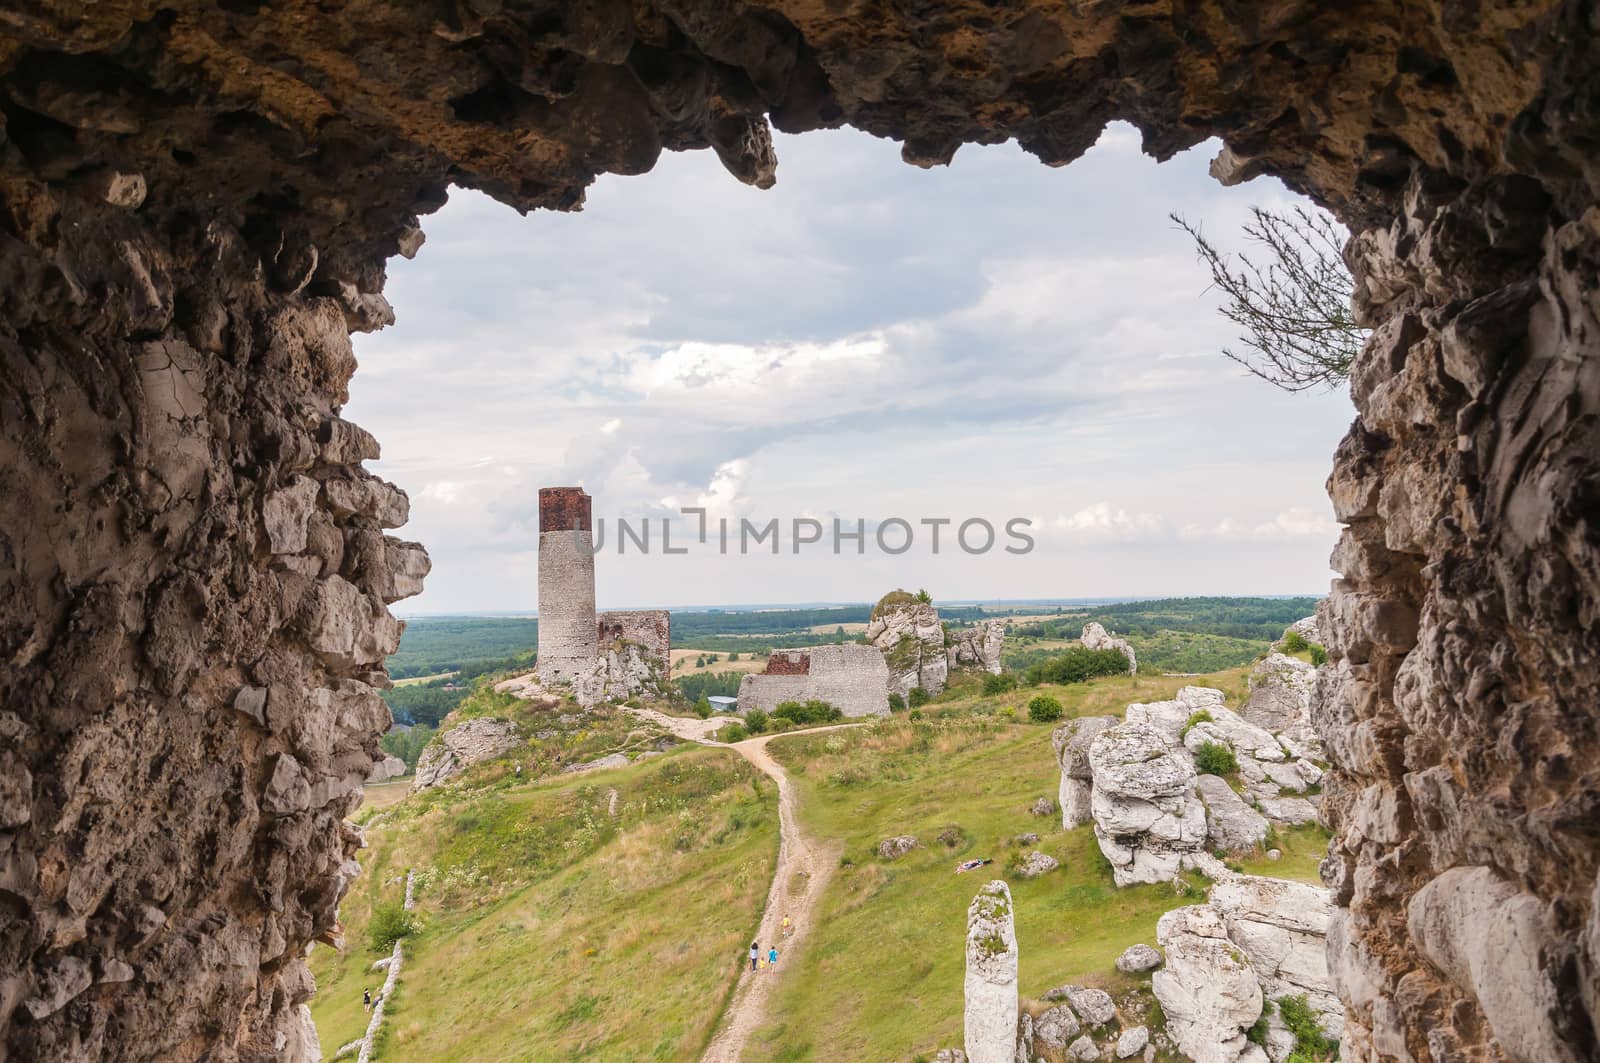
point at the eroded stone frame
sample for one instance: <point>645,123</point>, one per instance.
<point>196,204</point>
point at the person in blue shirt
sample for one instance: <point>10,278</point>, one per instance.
<point>772,956</point>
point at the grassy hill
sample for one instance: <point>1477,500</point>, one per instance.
<point>556,926</point>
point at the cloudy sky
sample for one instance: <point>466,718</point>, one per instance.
<point>993,340</point>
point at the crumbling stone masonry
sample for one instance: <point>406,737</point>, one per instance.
<point>852,678</point>
<point>568,636</point>
<point>196,204</point>
<point>649,628</point>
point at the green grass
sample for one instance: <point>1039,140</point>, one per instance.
<point>553,930</point>
<point>1303,848</point>
<point>881,976</point>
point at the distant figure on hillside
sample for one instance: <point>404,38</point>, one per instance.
<point>366,999</point>
<point>786,926</point>
<point>772,956</point>
<point>755,954</point>
<point>519,771</point>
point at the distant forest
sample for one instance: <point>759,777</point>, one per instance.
<point>1238,618</point>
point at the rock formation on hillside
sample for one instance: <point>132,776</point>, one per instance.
<point>1096,637</point>
<point>918,649</point>
<point>1306,628</point>
<point>1071,741</point>
<point>200,200</point>
<point>467,743</point>
<point>990,1020</point>
<point>1254,940</point>
<point>388,768</point>
<point>1147,817</point>
<point>1280,702</point>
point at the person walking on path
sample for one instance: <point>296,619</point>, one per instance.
<point>786,926</point>
<point>366,999</point>
<point>772,956</point>
<point>755,954</point>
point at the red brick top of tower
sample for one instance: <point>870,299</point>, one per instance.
<point>562,507</point>
<point>789,662</point>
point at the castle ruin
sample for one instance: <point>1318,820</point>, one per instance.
<point>601,656</point>
<point>853,679</point>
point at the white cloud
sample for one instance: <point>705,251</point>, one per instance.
<point>1102,521</point>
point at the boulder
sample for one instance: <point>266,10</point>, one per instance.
<point>990,1016</point>
<point>1083,1049</point>
<point>390,767</point>
<point>1207,988</point>
<point>1096,637</point>
<point>1231,825</point>
<point>909,635</point>
<point>469,742</point>
<point>1282,928</point>
<point>1071,741</point>
<point>1132,1042</point>
<point>1094,1006</point>
<point>1233,731</point>
<point>1280,700</point>
<point>1036,864</point>
<point>950,1055</point>
<point>1288,810</point>
<point>611,760</point>
<point>1057,1027</point>
<point>1044,806</point>
<point>1306,628</point>
<point>1147,816</point>
<point>896,847</point>
<point>978,647</point>
<point>1138,958</point>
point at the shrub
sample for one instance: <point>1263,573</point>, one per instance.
<point>1258,1032</point>
<point>755,721</point>
<point>809,712</point>
<point>917,698</point>
<point>702,709</point>
<point>1214,758</point>
<point>999,684</point>
<point>1319,654</point>
<point>914,715</point>
<point>1294,642</point>
<point>896,702</point>
<point>1044,709</point>
<point>390,923</point>
<point>1311,1045</point>
<point>733,732</point>
<point>1198,716</point>
<point>1077,664</point>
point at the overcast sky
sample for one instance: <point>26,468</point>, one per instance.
<point>866,341</point>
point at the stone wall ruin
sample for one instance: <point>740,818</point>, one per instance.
<point>852,678</point>
<point>196,203</point>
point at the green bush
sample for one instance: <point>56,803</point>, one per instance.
<point>914,715</point>
<point>702,709</point>
<point>1311,1045</point>
<point>807,713</point>
<point>1198,716</point>
<point>1077,664</point>
<point>1294,642</point>
<point>755,721</point>
<point>733,732</point>
<point>1258,1032</point>
<point>1044,709</point>
<point>1319,654</point>
<point>917,698</point>
<point>1214,758</point>
<point>896,702</point>
<point>390,923</point>
<point>1003,683</point>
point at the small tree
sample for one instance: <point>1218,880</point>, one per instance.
<point>390,923</point>
<point>924,597</point>
<point>1294,642</point>
<point>896,702</point>
<point>917,698</point>
<point>1214,758</point>
<point>702,709</point>
<point>1293,304</point>
<point>755,721</point>
<point>1044,709</point>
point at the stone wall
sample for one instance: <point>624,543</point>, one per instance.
<point>196,203</point>
<point>852,678</point>
<point>650,628</point>
<point>568,636</point>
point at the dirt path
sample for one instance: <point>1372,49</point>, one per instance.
<point>798,881</point>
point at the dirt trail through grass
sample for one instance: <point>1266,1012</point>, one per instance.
<point>798,881</point>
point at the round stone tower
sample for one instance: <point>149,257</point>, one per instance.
<point>567,638</point>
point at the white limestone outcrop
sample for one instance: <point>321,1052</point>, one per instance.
<point>1096,637</point>
<point>469,742</point>
<point>1071,741</point>
<point>1147,816</point>
<point>990,1018</point>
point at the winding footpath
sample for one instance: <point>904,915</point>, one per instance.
<point>798,882</point>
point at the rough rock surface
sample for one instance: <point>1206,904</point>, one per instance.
<point>1306,627</point>
<point>1147,817</point>
<point>1138,958</point>
<point>454,751</point>
<point>990,1018</point>
<point>1055,1028</point>
<point>1132,1042</point>
<point>1072,740</point>
<point>978,647</point>
<point>619,671</point>
<point>1096,637</point>
<point>1231,825</point>
<point>1282,928</point>
<point>1083,1050</point>
<point>1094,1006</point>
<point>1280,701</point>
<point>1036,864</point>
<point>388,768</point>
<point>1207,989</point>
<point>896,847</point>
<point>911,638</point>
<point>198,201</point>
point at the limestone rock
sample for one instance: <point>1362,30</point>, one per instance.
<point>1207,989</point>
<point>1282,927</point>
<point>1306,628</point>
<point>1042,806</point>
<point>1071,741</point>
<point>1147,816</point>
<point>1132,1042</point>
<point>1231,825</point>
<point>390,767</point>
<point>1280,700</point>
<point>1096,637</point>
<point>1083,1049</point>
<point>455,750</point>
<point>610,760</point>
<point>950,1055</point>
<point>990,1018</point>
<point>978,647</point>
<point>1288,810</point>
<point>1056,1027</point>
<point>1138,958</point>
<point>896,847</point>
<point>286,513</point>
<point>1036,864</point>
<point>909,635</point>
<point>622,671</point>
<point>1094,1006</point>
